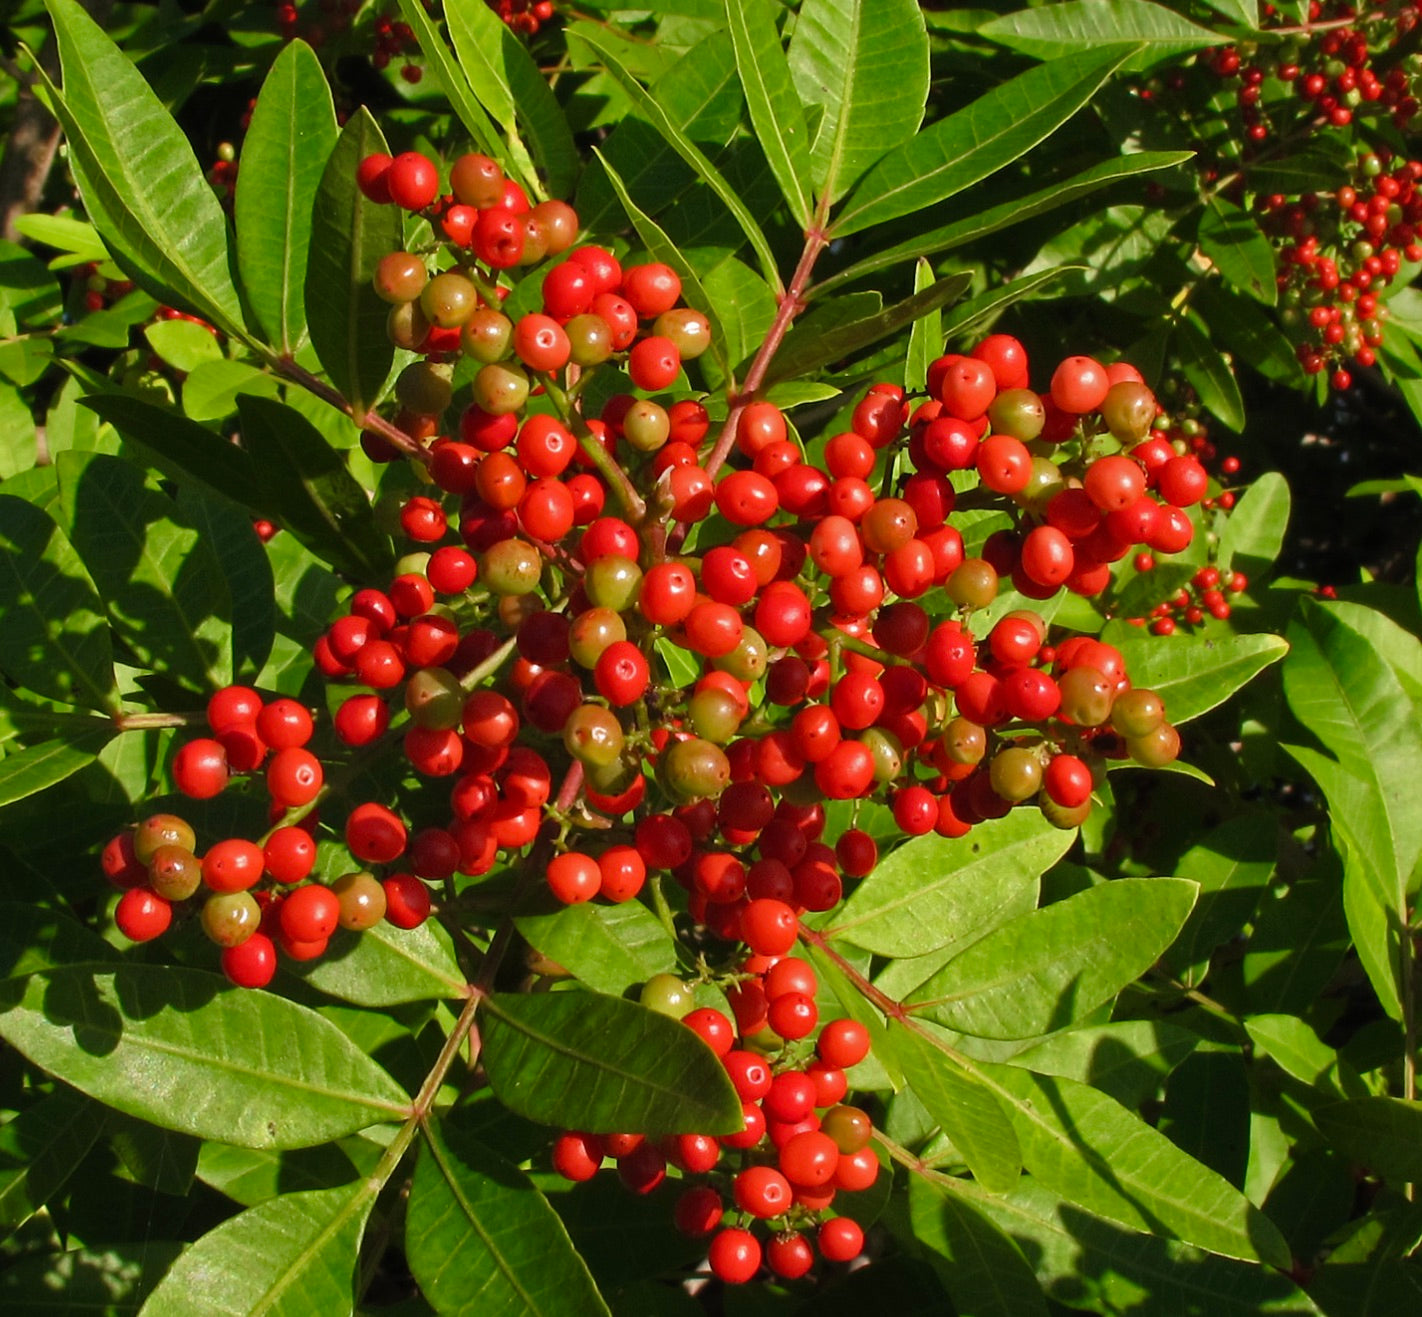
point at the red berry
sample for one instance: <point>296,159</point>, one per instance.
<point>412,180</point>
<point>734,1256</point>
<point>200,769</point>
<point>142,915</point>
<point>250,964</point>
<point>840,1239</point>
<point>407,900</point>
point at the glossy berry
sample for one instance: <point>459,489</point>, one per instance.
<point>141,914</point>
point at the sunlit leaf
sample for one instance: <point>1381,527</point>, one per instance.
<point>182,1049</point>
<point>1042,970</point>
<point>141,182</point>
<point>838,57</point>
<point>579,1060</point>
<point>292,132</point>
<point>955,152</point>
<point>932,892</point>
<point>349,235</point>
<point>481,1239</point>
<point>290,1257</point>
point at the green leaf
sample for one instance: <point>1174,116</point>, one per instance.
<point>1232,239</point>
<point>22,362</point>
<point>1211,376</point>
<point>252,1175</point>
<point>839,58</point>
<point>511,87</point>
<point>34,769</point>
<point>952,154</point>
<point>745,308</point>
<point>290,1257</point>
<point>1243,12</point>
<point>1299,937</point>
<point>933,892</point>
<point>142,184</point>
<point>182,344</point>
<point>28,291</point>
<point>40,1149</point>
<point>349,235</point>
<point>228,531</point>
<point>454,83</point>
<point>966,1110</point>
<point>385,965</point>
<point>159,1159</point>
<point>948,236</point>
<point>1086,1263</point>
<point>55,641</point>
<point>181,448</point>
<point>1062,29</point>
<point>33,938</point>
<point>182,1049</point>
<point>1231,865</point>
<point>1254,534</point>
<point>610,948</point>
<point>1086,1147</point>
<point>853,1004</point>
<point>1206,1111</point>
<point>1383,1133</point>
<point>211,391</point>
<point>310,489</point>
<point>1042,970</point>
<point>292,132</point>
<point>1242,326</point>
<point>661,248</point>
<point>926,337</point>
<point>579,1060</point>
<point>480,1239</point>
<point>808,348</point>
<point>1128,1059</point>
<point>774,104</point>
<point>1352,701</point>
<point>978,1263</point>
<point>652,111</point>
<point>1299,1052</point>
<point>161,582</point>
<point>978,313</point>
<point>1324,164</point>
<point>65,233</point>
<point>1193,679</point>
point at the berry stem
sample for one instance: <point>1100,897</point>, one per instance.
<point>608,467</point>
<point>792,302</point>
<point>834,637</point>
<point>138,722</point>
<point>875,996</point>
<point>284,365</point>
<point>477,676</point>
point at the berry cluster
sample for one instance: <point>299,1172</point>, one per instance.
<point>330,19</point>
<point>1338,251</point>
<point>254,895</point>
<point>1348,73</point>
<point>1206,594</point>
<point>593,601</point>
<point>1331,65</point>
<point>523,16</point>
<point>96,290</point>
<point>801,1146</point>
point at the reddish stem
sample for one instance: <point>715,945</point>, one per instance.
<point>370,421</point>
<point>792,302</point>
